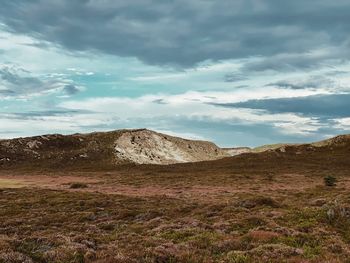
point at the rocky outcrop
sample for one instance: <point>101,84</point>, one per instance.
<point>145,146</point>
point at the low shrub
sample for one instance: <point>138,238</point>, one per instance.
<point>330,180</point>
<point>78,185</point>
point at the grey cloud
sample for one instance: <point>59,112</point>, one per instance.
<point>7,92</point>
<point>159,101</point>
<point>41,114</point>
<point>290,61</point>
<point>234,77</point>
<point>312,82</point>
<point>288,85</point>
<point>17,85</point>
<point>71,89</point>
<point>42,45</point>
<point>337,73</point>
<point>13,78</point>
<point>18,82</point>
<point>187,32</point>
<point>321,106</point>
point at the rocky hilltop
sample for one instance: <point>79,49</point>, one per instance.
<point>105,149</point>
<point>149,147</point>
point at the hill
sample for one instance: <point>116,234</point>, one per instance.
<point>108,150</point>
<point>105,149</point>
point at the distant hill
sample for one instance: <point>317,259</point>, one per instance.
<point>340,140</point>
<point>105,149</point>
<point>336,141</point>
<point>329,157</point>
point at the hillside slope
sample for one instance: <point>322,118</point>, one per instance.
<point>149,147</point>
<point>105,150</point>
<point>327,157</point>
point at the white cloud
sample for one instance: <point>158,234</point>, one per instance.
<point>343,123</point>
<point>194,106</point>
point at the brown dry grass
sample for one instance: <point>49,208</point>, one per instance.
<point>269,207</point>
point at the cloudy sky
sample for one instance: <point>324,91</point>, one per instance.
<point>243,72</point>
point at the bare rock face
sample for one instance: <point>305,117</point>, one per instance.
<point>237,151</point>
<point>149,147</point>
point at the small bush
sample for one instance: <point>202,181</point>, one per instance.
<point>258,201</point>
<point>78,185</point>
<point>330,181</point>
<point>237,257</point>
<point>270,177</point>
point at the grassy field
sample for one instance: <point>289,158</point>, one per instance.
<point>251,208</point>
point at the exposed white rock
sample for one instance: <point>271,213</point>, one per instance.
<point>84,155</point>
<point>34,144</point>
<point>237,151</point>
<point>148,147</point>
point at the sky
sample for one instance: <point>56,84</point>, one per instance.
<point>239,73</point>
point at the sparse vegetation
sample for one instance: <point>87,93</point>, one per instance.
<point>81,226</point>
<point>264,207</point>
<point>78,185</point>
<point>330,180</point>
